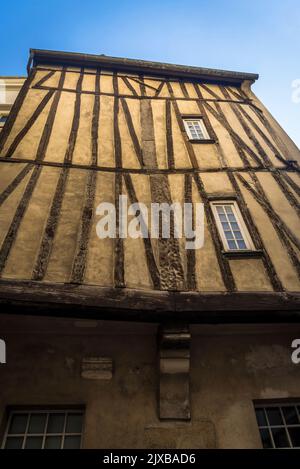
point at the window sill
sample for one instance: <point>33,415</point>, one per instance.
<point>208,140</point>
<point>247,254</point>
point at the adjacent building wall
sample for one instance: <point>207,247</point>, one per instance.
<point>230,368</point>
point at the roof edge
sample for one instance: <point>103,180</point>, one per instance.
<point>41,56</point>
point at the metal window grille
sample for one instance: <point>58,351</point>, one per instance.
<point>44,429</point>
<point>279,425</point>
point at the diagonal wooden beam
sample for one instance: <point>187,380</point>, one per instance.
<point>152,267</point>
<point>220,116</point>
<point>45,78</point>
<point>284,233</point>
<point>45,137</point>
<point>247,129</point>
<point>224,266</point>
<point>15,109</point>
<point>132,132</point>
<point>14,184</point>
<point>129,85</point>
<point>160,87</point>
<point>291,182</point>
<point>29,123</point>
<point>255,235</point>
<point>209,126</point>
<point>18,217</point>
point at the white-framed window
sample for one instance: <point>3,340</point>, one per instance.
<point>44,429</point>
<point>231,226</point>
<point>279,424</point>
<point>195,129</point>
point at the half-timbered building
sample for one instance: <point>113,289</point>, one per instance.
<point>123,342</point>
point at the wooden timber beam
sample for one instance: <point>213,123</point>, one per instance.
<point>71,300</point>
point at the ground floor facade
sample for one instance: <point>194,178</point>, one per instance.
<point>107,374</point>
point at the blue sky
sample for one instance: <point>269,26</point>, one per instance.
<point>260,36</point>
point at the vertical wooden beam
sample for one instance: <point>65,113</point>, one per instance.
<point>119,277</point>
<point>171,270</point>
<point>95,119</point>
<point>117,137</point>
<point>75,121</point>
<point>78,268</point>
<point>190,253</point>
<point>169,136</point>
<point>43,257</point>
<point>188,145</point>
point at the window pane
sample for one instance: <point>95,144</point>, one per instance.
<point>219,209</point>
<point>274,416</point>
<point>72,442</point>
<point>34,442</point>
<point>229,235</point>
<point>235,226</point>
<point>280,438</point>
<point>265,438</point>
<point>53,442</point>
<point>225,225</point>
<point>14,443</point>
<point>228,209</point>
<point>290,415</point>
<point>18,423</point>
<point>242,245</point>
<point>261,418</point>
<point>37,423</point>
<point>238,235</point>
<point>295,436</point>
<point>56,423</point>
<point>74,423</point>
<point>231,245</point>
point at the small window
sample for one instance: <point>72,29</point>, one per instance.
<point>279,425</point>
<point>44,429</point>
<point>232,229</point>
<point>196,129</point>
